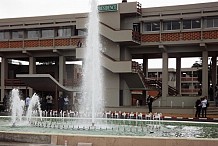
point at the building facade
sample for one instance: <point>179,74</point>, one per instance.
<point>127,32</point>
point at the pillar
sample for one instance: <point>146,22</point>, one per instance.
<point>214,73</point>
<point>32,70</point>
<point>61,69</point>
<point>164,78</point>
<point>178,75</point>
<point>4,71</point>
<point>145,71</point>
<point>205,73</point>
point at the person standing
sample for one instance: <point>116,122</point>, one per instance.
<point>149,101</point>
<point>198,106</point>
<point>27,102</point>
<point>49,102</point>
<point>204,107</point>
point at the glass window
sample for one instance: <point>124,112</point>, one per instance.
<point>175,25</point>
<point>17,34</point>
<point>147,26</point>
<point>167,25</point>
<point>209,22</point>
<point>2,36</point>
<point>33,34</point>
<point>215,22</point>
<point>82,32</point>
<point>196,23</point>
<point>48,33</point>
<point>155,26</point>
<point>64,32</point>
<point>186,24</point>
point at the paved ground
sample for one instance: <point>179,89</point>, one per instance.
<point>24,144</point>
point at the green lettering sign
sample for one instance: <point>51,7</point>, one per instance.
<point>108,8</point>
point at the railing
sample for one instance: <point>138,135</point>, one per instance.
<point>53,42</point>
<point>136,36</point>
<point>151,83</point>
<point>139,8</point>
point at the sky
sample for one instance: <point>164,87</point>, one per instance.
<point>28,8</point>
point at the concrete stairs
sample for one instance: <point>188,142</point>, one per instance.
<point>212,109</point>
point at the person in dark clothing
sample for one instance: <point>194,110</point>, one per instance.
<point>198,108</point>
<point>149,101</point>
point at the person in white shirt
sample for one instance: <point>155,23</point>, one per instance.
<point>27,102</point>
<point>204,106</point>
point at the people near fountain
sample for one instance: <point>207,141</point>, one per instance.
<point>49,102</point>
<point>204,104</point>
<point>198,107</point>
<point>149,102</point>
<point>27,102</point>
<point>66,103</point>
<point>61,103</point>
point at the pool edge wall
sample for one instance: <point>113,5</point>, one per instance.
<point>103,140</point>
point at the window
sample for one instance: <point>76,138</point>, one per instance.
<point>33,34</point>
<point>171,25</point>
<point>196,23</point>
<point>192,24</point>
<point>152,26</point>
<point>187,24</point>
<point>212,22</point>
<point>48,33</point>
<point>82,32</point>
<point>17,34</point>
<point>64,32</point>
<point>4,35</point>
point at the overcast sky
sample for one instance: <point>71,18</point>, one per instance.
<point>26,8</point>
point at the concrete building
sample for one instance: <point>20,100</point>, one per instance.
<point>127,31</point>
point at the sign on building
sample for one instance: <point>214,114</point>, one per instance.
<point>108,8</point>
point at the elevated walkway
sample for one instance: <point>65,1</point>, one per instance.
<point>43,82</point>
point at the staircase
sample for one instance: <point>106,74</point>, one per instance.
<point>212,109</point>
<point>152,84</point>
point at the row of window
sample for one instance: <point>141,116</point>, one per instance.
<point>41,33</point>
<point>181,24</point>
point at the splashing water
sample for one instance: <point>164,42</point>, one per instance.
<point>34,105</point>
<point>17,106</point>
<point>91,102</point>
<point>18,110</point>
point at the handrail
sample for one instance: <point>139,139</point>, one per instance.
<point>148,82</point>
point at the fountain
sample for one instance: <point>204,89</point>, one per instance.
<point>92,120</point>
<point>91,102</point>
<point>18,108</point>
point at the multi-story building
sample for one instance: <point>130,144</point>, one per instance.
<point>127,31</point>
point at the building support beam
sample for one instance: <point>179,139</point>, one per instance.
<point>205,73</point>
<point>214,74</point>
<point>178,75</point>
<point>145,71</point>
<point>4,69</point>
<point>32,70</point>
<point>164,79</point>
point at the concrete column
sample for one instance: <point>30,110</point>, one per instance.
<point>32,70</point>
<point>178,74</point>
<point>3,73</point>
<point>145,71</point>
<point>205,73</point>
<point>214,73</point>
<point>164,78</point>
<point>61,69</point>
<point>145,66</point>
